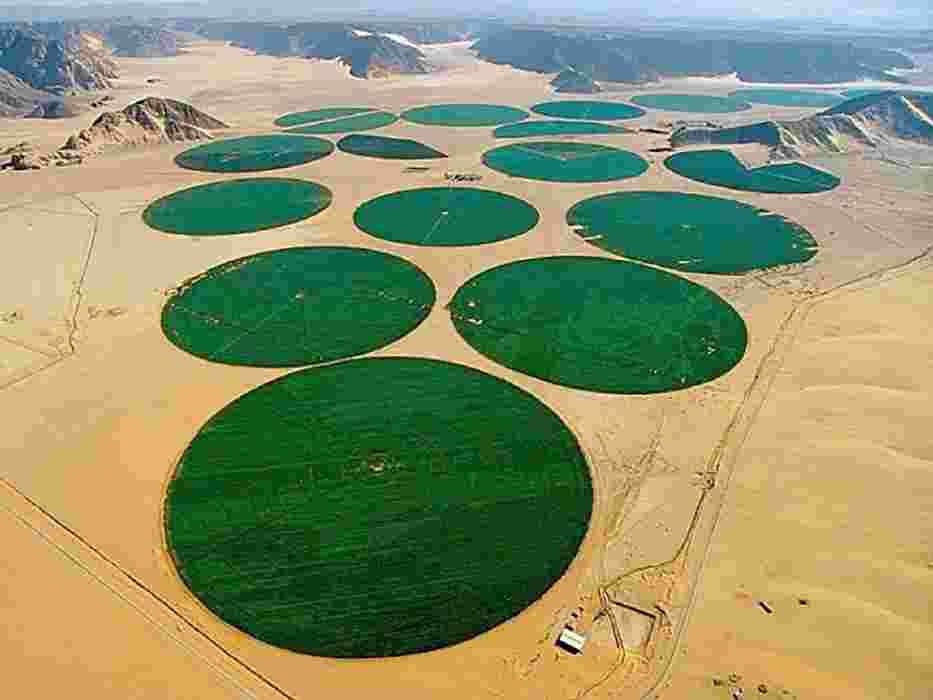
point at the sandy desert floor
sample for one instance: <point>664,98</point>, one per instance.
<point>803,474</point>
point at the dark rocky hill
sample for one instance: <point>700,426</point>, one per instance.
<point>76,61</point>
<point>643,57</point>
<point>572,81</point>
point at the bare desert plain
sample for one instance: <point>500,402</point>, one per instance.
<point>771,530</point>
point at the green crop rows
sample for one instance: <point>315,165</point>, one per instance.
<point>237,206</point>
<point>602,325</point>
<point>298,306</point>
<point>319,115</point>
<point>377,507</point>
<point>690,232</point>
<point>709,104</point>
<point>550,127</point>
<point>464,115</point>
<point>720,167</point>
<point>445,216</point>
<point>386,147</point>
<point>560,161</point>
<point>254,153</point>
<point>359,122</point>
<point>588,109</point>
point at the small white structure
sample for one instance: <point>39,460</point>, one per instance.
<point>571,641</point>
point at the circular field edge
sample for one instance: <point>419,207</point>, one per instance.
<point>518,114</point>
<point>676,169</point>
<point>345,146</point>
<point>287,120</point>
<point>741,105</point>
<point>552,108</point>
<point>327,150</point>
<point>147,212</point>
<point>607,150</point>
<point>229,263</point>
<point>169,550</point>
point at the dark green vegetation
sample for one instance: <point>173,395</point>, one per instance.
<point>359,122</point>
<point>464,115</point>
<point>237,206</point>
<point>588,109</point>
<point>632,56</point>
<point>386,147</point>
<point>377,507</point>
<point>553,127</point>
<point>558,161</point>
<point>318,115</point>
<point>254,153</point>
<point>445,216</point>
<point>709,104</point>
<point>601,325</point>
<point>298,306</point>
<point>722,168</point>
<point>787,98</point>
<point>690,232</point>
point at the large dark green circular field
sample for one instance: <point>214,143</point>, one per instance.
<point>464,115</point>
<point>237,206</point>
<point>445,216</point>
<point>720,167</point>
<point>602,325</point>
<point>690,232</point>
<point>588,109</point>
<point>387,147</point>
<point>563,161</point>
<point>298,306</point>
<point>377,507</point>
<point>254,153</point>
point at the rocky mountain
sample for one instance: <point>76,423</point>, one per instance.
<point>152,120</point>
<point>857,124</point>
<point>632,57</point>
<point>139,40</point>
<point>16,97</point>
<point>76,61</point>
<point>368,54</point>
<point>572,81</point>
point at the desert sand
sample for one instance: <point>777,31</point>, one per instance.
<point>804,473</point>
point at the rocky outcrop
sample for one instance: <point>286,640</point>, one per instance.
<point>16,97</point>
<point>572,81</point>
<point>857,124</point>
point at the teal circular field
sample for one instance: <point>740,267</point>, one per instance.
<point>550,127</point>
<point>237,206</point>
<point>298,306</point>
<point>720,167</point>
<point>560,161</point>
<point>319,115</point>
<point>601,325</point>
<point>343,125</point>
<point>588,109</point>
<point>445,216</point>
<point>787,98</point>
<point>387,147</point>
<point>377,507</point>
<point>690,232</point>
<point>464,115</point>
<point>254,153</point>
<point>709,104</point>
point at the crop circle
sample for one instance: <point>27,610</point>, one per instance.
<point>562,161</point>
<point>237,206</point>
<point>298,306</point>
<point>254,153</point>
<point>787,98</point>
<point>355,122</point>
<point>464,115</point>
<point>690,232</point>
<point>387,147</point>
<point>610,326</point>
<point>445,216</point>
<point>720,167</point>
<point>710,104</point>
<point>319,115</point>
<point>377,507</point>
<point>588,109</point>
<point>556,127</point>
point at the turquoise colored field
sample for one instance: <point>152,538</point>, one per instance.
<point>359,122</point>
<point>549,127</point>
<point>318,115</point>
<point>254,153</point>
<point>709,104</point>
<point>464,115</point>
<point>588,109</point>
<point>387,147</point>
<point>563,161</point>
<point>787,98</point>
<point>720,167</point>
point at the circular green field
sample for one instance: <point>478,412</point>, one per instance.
<point>464,115</point>
<point>254,153</point>
<point>318,115</point>
<point>386,147</point>
<point>559,161</point>
<point>720,167</point>
<point>549,127</point>
<point>359,122</point>
<point>298,306</point>
<point>690,232</point>
<point>602,325</point>
<point>709,104</point>
<point>237,206</point>
<point>787,98</point>
<point>445,216</point>
<point>377,507</point>
<point>588,109</point>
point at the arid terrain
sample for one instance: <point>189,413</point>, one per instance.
<point>774,525</point>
